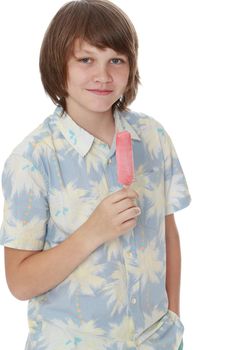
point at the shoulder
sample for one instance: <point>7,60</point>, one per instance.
<point>144,123</point>
<point>38,136</point>
<point>34,146</point>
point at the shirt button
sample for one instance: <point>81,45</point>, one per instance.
<point>129,254</point>
<point>109,161</point>
<point>133,300</point>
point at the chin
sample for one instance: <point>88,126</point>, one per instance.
<point>101,108</point>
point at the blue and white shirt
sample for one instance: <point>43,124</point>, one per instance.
<point>116,298</point>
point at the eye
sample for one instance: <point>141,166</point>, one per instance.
<point>117,60</point>
<point>84,60</point>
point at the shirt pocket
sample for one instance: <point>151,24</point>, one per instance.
<point>150,187</point>
<point>68,212</point>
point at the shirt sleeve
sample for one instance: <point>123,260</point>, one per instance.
<point>26,211</point>
<point>177,194</point>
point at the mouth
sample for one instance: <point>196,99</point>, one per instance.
<point>100,92</point>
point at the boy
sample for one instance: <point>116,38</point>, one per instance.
<point>98,273</point>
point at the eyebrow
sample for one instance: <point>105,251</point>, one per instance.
<point>93,52</point>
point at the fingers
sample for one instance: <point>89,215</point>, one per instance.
<point>129,214</point>
<point>125,204</point>
<point>125,192</point>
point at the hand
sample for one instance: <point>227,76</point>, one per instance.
<point>175,311</point>
<point>115,215</point>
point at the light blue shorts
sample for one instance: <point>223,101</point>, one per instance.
<point>181,345</point>
<point>166,333</point>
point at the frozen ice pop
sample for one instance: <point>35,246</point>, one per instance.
<point>124,158</point>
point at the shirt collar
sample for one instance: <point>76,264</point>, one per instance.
<point>80,138</point>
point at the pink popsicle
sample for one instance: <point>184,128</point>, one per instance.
<point>124,158</point>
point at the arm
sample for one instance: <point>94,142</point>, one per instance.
<point>30,273</point>
<point>173,264</point>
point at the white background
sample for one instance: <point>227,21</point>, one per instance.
<point>185,63</point>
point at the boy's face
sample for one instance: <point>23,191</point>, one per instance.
<point>96,78</point>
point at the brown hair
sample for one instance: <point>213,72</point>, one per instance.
<point>102,24</point>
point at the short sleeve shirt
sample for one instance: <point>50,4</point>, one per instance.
<point>52,182</point>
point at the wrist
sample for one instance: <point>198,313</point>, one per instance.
<point>92,235</point>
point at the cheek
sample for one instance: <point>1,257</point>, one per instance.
<point>122,78</point>
<point>126,76</point>
<point>76,78</point>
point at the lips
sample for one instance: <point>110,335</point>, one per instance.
<point>100,92</point>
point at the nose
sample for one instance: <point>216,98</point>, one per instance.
<point>102,74</point>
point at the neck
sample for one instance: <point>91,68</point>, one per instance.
<point>99,124</point>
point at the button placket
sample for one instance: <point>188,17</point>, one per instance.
<point>133,300</point>
<point>130,254</point>
<point>108,162</point>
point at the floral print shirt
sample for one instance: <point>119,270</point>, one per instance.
<point>116,298</point>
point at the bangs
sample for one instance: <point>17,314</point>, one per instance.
<point>104,28</point>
